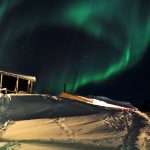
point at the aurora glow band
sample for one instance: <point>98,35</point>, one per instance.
<point>124,25</point>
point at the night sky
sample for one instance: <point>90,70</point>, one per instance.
<point>95,47</point>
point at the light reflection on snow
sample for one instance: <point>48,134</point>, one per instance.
<point>102,103</point>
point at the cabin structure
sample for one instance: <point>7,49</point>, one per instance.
<point>16,83</point>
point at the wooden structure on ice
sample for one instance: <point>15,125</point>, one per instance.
<point>16,83</point>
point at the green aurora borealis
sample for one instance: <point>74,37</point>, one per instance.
<point>121,27</point>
